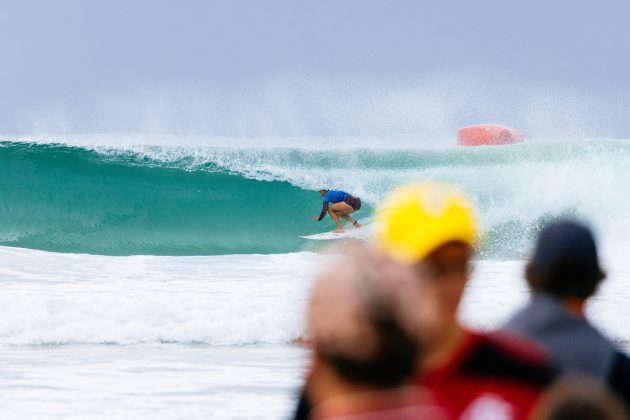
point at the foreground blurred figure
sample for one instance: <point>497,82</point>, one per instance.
<point>432,229</point>
<point>363,347</point>
<point>579,398</point>
<point>563,273</point>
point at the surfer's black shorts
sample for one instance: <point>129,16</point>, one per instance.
<point>353,202</point>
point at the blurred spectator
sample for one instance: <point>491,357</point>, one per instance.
<point>579,398</point>
<point>432,228</point>
<point>563,273</point>
<point>364,349</point>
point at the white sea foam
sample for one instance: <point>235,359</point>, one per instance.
<point>180,329</point>
<point>52,298</point>
<point>150,381</point>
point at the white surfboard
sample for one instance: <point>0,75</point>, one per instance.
<point>326,236</point>
<point>365,232</point>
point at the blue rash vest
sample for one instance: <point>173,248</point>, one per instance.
<point>332,196</point>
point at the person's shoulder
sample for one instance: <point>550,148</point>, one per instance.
<point>523,317</point>
<point>509,356</point>
<point>517,346</point>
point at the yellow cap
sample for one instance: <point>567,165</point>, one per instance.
<point>415,219</point>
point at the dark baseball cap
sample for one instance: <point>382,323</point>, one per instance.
<point>567,246</point>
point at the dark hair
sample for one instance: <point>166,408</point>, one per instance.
<point>564,279</point>
<point>392,362</point>
<point>380,347</point>
<point>565,262</point>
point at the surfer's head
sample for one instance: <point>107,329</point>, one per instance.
<point>323,192</point>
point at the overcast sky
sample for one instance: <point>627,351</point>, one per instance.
<point>293,67</point>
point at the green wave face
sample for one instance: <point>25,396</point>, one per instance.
<point>68,199</point>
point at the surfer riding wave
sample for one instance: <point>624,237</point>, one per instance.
<point>341,205</point>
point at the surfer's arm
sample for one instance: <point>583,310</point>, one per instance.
<point>324,211</point>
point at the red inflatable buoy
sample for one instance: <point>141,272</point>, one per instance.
<point>487,134</point>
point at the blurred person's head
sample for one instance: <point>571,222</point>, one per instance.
<point>358,322</point>
<point>431,227</point>
<point>579,398</point>
<point>565,263</point>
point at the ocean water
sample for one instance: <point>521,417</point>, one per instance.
<point>167,280</point>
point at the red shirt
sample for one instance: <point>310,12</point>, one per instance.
<point>498,376</point>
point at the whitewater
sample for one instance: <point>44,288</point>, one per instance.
<point>146,279</point>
